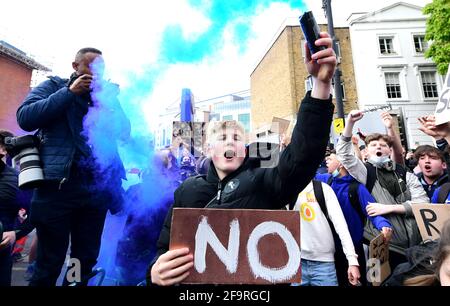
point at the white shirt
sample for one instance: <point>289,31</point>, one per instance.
<point>316,237</point>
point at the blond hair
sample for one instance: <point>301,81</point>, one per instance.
<point>215,127</point>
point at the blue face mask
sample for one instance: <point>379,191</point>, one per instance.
<point>335,173</point>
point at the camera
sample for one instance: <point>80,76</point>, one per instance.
<point>311,31</point>
<point>23,150</point>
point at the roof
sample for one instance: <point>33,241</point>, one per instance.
<point>365,17</point>
<point>20,56</point>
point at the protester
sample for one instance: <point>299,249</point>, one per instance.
<point>261,188</point>
<point>410,161</point>
<point>353,199</point>
<point>441,264</point>
<point>428,265</point>
<point>146,205</point>
<point>9,208</point>
<point>393,188</point>
<point>317,204</point>
<point>433,168</point>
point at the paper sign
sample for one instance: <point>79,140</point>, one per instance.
<point>191,134</point>
<point>378,264</point>
<point>430,218</point>
<point>279,125</point>
<point>442,113</point>
<point>234,246</point>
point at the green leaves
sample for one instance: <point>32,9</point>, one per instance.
<point>438,31</point>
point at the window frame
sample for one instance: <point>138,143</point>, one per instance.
<point>395,45</point>
<point>436,79</point>
<point>414,35</point>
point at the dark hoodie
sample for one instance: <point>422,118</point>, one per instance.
<point>8,196</point>
<point>430,188</point>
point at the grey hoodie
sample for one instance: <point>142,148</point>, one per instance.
<point>405,231</point>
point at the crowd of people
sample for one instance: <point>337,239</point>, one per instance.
<point>356,192</point>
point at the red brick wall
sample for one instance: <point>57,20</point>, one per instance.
<point>15,81</point>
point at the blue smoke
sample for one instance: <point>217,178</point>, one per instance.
<point>176,48</point>
<point>147,193</point>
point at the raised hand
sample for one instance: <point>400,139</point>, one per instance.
<point>321,65</point>
<point>387,120</point>
<point>429,127</point>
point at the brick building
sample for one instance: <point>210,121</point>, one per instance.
<point>279,81</point>
<point>15,77</point>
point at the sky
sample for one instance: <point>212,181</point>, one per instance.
<point>154,49</point>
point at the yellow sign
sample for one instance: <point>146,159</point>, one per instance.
<point>338,124</point>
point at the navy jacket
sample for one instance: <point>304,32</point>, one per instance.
<point>434,198</point>
<point>340,186</point>
<point>58,114</point>
<point>430,188</point>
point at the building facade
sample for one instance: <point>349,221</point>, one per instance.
<point>388,48</point>
<point>280,79</point>
<point>16,70</point>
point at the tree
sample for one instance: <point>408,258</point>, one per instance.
<point>438,31</point>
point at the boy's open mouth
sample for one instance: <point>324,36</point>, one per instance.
<point>379,154</point>
<point>229,154</point>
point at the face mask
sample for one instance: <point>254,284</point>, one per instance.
<point>380,161</point>
<point>335,173</point>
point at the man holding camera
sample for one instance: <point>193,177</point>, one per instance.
<point>76,192</point>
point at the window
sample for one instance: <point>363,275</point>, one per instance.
<point>338,49</point>
<point>392,80</point>
<point>302,46</point>
<point>214,117</point>
<point>386,45</point>
<point>308,83</point>
<point>420,44</point>
<point>245,120</point>
<point>429,84</point>
<point>227,118</point>
<point>342,89</point>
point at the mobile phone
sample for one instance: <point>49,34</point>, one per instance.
<point>311,31</point>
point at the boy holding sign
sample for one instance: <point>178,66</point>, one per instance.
<point>235,180</point>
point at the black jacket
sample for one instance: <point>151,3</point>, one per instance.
<point>261,188</point>
<point>9,206</point>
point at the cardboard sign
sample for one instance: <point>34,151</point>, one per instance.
<point>193,134</point>
<point>430,218</point>
<point>279,125</point>
<point>378,263</point>
<point>234,246</point>
<point>442,112</point>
